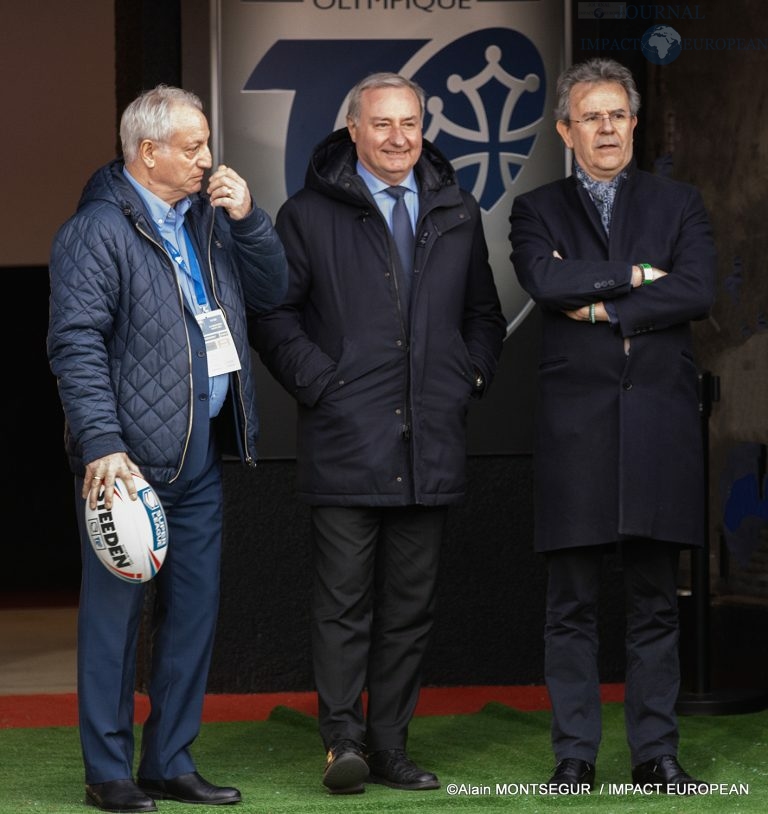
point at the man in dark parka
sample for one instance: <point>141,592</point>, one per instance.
<point>620,262</point>
<point>383,357</point>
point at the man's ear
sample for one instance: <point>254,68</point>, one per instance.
<point>351,128</point>
<point>147,152</point>
<point>564,129</point>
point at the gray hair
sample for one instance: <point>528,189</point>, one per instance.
<point>382,80</point>
<point>594,71</point>
<point>149,117</point>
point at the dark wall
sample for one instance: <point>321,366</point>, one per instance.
<point>45,555</point>
<point>147,47</point>
<point>490,606</point>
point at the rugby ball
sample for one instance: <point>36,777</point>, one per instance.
<point>131,538</point>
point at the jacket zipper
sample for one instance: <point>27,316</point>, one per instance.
<point>405,427</point>
<point>152,240</point>
<point>249,459</point>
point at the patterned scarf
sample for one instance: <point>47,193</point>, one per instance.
<point>602,193</point>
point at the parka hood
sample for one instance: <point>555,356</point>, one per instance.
<point>333,166</point>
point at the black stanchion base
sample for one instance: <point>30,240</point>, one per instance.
<point>722,702</point>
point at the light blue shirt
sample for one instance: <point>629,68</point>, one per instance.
<point>169,221</point>
<point>385,201</point>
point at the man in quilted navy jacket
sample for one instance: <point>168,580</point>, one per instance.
<point>138,275</point>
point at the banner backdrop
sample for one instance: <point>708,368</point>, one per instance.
<point>282,70</point>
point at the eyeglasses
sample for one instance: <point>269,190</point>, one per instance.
<point>617,117</point>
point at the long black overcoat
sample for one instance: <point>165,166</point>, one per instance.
<point>618,441</point>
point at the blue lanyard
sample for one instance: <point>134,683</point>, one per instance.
<point>195,275</point>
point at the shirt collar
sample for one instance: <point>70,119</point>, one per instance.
<point>376,185</point>
<point>159,210</point>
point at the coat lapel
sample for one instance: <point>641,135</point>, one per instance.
<point>590,210</point>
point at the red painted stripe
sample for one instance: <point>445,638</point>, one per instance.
<point>61,709</point>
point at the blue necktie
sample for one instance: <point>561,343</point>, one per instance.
<point>402,231</point>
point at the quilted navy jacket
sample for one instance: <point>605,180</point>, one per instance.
<point>383,389</point>
<point>117,338</point>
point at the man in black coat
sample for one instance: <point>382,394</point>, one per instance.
<point>383,355</point>
<point>620,262</point>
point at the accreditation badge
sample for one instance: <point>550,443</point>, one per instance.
<point>219,345</point>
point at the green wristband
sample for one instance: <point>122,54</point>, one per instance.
<point>647,270</point>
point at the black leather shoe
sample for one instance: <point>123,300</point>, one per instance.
<point>345,768</point>
<point>189,788</point>
<point>119,796</point>
<point>393,768</point>
<point>572,776</point>
<point>666,774</point>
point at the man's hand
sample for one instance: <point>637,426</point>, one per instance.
<point>226,188</point>
<point>584,314</point>
<point>103,471</point>
<point>638,277</point>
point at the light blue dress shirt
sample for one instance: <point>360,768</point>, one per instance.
<point>385,201</point>
<point>169,221</point>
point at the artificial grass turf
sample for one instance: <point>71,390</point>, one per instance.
<point>277,764</point>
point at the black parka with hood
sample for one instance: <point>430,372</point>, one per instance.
<point>383,386</point>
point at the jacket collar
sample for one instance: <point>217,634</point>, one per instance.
<point>332,168</point>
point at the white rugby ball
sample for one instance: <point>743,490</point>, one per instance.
<point>131,538</point>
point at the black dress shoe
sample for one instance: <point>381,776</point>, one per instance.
<point>666,774</point>
<point>393,768</point>
<point>345,768</point>
<point>119,796</point>
<point>572,776</point>
<point>189,788</point>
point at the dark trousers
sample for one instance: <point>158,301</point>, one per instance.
<point>373,601</point>
<point>108,630</point>
<point>652,657</point>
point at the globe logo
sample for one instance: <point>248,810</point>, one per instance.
<point>661,44</point>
